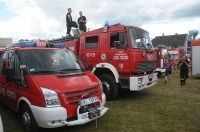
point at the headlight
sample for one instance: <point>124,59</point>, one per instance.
<point>51,97</point>
<point>101,86</point>
<point>139,80</point>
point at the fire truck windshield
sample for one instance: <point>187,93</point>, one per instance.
<point>51,61</point>
<point>140,39</point>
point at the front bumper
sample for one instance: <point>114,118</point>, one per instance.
<point>57,116</point>
<point>161,70</point>
<point>141,82</point>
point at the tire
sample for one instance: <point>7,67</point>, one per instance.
<point>110,87</point>
<point>159,74</point>
<point>28,120</point>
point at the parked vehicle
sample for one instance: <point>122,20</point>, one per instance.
<point>195,59</point>
<point>1,125</point>
<point>161,54</point>
<point>176,53</point>
<point>49,87</point>
<point>120,56</point>
<point>1,51</point>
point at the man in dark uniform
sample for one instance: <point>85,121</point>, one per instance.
<point>69,21</point>
<point>184,68</point>
<point>82,22</point>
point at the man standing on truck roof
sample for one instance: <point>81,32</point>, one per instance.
<point>82,22</point>
<point>69,21</point>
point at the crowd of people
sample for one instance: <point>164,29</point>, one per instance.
<point>171,66</point>
<point>70,23</point>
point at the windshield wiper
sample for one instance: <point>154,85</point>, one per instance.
<point>46,71</point>
<point>70,70</point>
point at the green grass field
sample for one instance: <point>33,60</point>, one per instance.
<point>161,108</point>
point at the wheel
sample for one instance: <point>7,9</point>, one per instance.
<point>110,87</point>
<point>159,74</point>
<point>28,120</point>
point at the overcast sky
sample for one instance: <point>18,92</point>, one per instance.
<point>45,19</point>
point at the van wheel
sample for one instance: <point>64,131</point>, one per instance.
<point>28,120</point>
<point>110,87</point>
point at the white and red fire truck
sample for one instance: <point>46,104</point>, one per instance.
<point>120,56</point>
<point>49,87</point>
<point>195,59</point>
<point>161,52</point>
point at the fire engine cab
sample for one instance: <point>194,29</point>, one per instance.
<point>161,52</point>
<point>120,56</point>
<point>49,87</point>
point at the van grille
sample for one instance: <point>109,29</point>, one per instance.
<point>146,67</point>
<point>73,97</point>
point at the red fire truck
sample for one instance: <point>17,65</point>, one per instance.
<point>120,56</point>
<point>195,59</point>
<point>161,52</point>
<point>1,50</point>
<point>176,53</point>
<point>41,85</point>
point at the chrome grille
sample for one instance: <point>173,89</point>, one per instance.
<point>146,67</point>
<point>74,96</point>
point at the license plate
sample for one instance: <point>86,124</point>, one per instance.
<point>88,101</point>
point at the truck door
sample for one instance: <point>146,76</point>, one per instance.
<point>119,52</point>
<point>13,88</point>
<point>90,51</point>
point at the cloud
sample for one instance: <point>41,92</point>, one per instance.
<point>186,9</point>
<point>34,19</point>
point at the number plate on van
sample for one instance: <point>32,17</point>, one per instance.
<point>88,101</point>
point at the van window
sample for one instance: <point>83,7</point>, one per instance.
<point>118,40</point>
<point>13,62</point>
<point>91,42</point>
<point>3,64</point>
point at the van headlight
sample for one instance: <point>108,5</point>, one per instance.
<point>51,97</point>
<point>101,86</point>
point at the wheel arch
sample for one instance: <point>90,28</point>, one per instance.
<point>106,68</point>
<point>21,102</point>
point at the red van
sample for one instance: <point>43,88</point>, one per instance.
<point>49,87</point>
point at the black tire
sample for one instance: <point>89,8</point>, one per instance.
<point>110,87</point>
<point>159,74</point>
<point>28,120</point>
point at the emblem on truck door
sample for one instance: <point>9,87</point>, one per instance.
<point>103,56</point>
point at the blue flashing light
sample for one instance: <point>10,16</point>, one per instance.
<point>58,45</point>
<point>106,23</point>
<point>27,44</point>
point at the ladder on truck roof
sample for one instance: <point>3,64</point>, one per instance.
<point>64,39</point>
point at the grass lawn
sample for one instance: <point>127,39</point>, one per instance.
<point>161,108</point>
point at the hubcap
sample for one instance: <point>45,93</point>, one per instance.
<point>26,120</point>
<point>106,87</point>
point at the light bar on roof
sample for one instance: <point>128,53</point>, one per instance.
<point>58,45</point>
<point>27,44</point>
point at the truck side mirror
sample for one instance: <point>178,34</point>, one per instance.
<point>9,74</point>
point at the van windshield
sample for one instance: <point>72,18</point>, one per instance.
<point>140,39</point>
<point>51,61</point>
